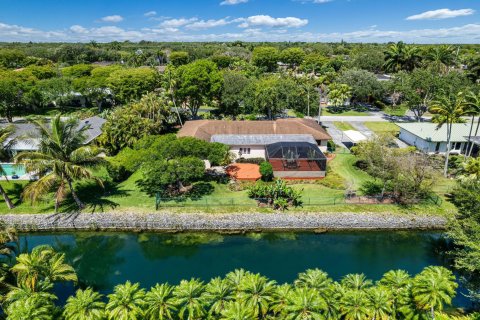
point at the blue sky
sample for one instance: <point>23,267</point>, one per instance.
<point>415,21</point>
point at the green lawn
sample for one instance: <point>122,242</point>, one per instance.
<point>383,127</point>
<point>344,165</point>
<point>343,126</point>
<point>345,111</point>
<point>396,111</point>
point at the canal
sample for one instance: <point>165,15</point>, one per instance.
<point>103,260</point>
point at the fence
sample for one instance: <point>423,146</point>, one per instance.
<point>253,203</point>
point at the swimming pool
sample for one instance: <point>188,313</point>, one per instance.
<point>11,169</point>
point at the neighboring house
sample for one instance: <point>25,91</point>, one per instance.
<point>429,138</point>
<point>25,134</point>
<point>292,146</point>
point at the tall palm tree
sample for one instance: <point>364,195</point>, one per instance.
<point>258,291</point>
<point>448,109</point>
<point>126,302</point>
<point>62,158</point>
<point>85,305</point>
<point>354,305</point>
<point>190,299</point>
<point>442,57</point>
<point>42,264</point>
<point>5,134</point>
<point>235,310</point>
<point>235,279</point>
<point>433,288</point>
<point>218,293</point>
<point>398,283</point>
<point>304,304</point>
<point>473,110</point>
<point>314,278</point>
<point>280,298</point>
<point>356,282</point>
<point>380,303</point>
<point>160,303</point>
<point>399,57</point>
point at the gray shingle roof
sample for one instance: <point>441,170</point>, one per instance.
<point>260,139</point>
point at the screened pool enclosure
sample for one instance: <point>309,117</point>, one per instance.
<point>296,160</point>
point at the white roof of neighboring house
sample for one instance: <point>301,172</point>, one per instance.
<point>260,139</point>
<point>431,132</point>
<point>355,136</point>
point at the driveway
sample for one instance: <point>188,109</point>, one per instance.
<point>337,135</point>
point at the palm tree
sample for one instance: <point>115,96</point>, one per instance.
<point>473,109</point>
<point>85,305</point>
<point>280,298</point>
<point>433,288</point>
<point>442,57</point>
<point>235,310</point>
<point>218,293</point>
<point>398,283</point>
<point>9,247</point>
<point>303,304</point>
<point>190,300</point>
<point>159,301</point>
<point>62,158</point>
<point>314,278</point>
<point>257,291</point>
<point>471,169</point>
<point>5,134</point>
<point>42,264</point>
<point>31,309</point>
<point>339,93</point>
<point>399,57</point>
<point>356,282</point>
<point>236,278</point>
<point>447,110</point>
<point>126,302</point>
<point>354,305</point>
<point>379,303</point>
<point>23,292</point>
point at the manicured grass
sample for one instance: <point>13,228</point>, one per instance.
<point>344,165</point>
<point>329,111</point>
<point>343,126</point>
<point>383,127</point>
<point>396,111</point>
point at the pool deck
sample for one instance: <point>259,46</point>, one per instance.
<point>229,223</point>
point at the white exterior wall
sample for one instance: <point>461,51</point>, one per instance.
<point>255,151</point>
<point>427,146</point>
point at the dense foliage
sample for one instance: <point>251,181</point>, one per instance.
<point>277,194</point>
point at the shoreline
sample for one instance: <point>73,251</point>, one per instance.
<point>225,223</point>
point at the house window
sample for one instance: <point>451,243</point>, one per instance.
<point>244,151</point>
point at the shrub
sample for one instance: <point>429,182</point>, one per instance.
<point>117,172</point>
<point>331,146</point>
<point>277,195</point>
<point>333,181</point>
<point>266,170</point>
<point>371,188</point>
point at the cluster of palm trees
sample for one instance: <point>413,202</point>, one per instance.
<point>62,159</point>
<point>241,295</point>
<point>449,109</point>
<point>400,56</point>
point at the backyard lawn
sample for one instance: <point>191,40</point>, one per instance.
<point>383,127</point>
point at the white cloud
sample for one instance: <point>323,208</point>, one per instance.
<point>468,33</point>
<point>207,24</point>
<point>268,21</point>
<point>441,14</point>
<point>115,18</point>
<point>150,13</point>
<point>314,1</point>
<point>175,23</point>
<point>232,2</point>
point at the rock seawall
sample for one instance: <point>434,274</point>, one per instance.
<point>234,222</point>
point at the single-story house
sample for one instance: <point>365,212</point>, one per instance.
<point>206,129</point>
<point>293,146</point>
<point>25,134</point>
<point>429,138</point>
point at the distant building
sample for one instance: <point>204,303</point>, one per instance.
<point>26,136</point>
<point>429,138</point>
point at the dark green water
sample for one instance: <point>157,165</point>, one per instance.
<point>103,260</point>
